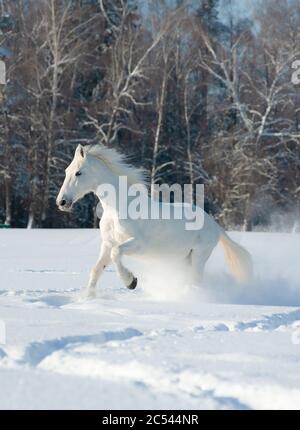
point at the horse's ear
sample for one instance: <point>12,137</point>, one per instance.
<point>80,151</point>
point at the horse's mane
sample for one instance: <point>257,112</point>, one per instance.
<point>117,163</point>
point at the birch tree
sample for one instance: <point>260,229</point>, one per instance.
<point>117,95</point>
<point>256,96</point>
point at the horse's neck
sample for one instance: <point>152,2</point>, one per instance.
<point>108,187</point>
<point>112,204</point>
<point>111,200</point>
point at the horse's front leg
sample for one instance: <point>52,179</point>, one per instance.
<point>103,260</point>
<point>130,247</point>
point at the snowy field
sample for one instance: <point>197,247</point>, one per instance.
<point>165,345</point>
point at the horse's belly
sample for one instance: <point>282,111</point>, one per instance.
<point>170,238</point>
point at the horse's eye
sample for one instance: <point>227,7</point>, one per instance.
<point>77,173</point>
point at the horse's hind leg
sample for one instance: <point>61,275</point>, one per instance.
<point>129,247</point>
<point>199,257</point>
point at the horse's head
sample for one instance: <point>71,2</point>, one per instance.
<point>77,182</point>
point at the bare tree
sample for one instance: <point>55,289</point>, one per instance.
<point>127,68</point>
<point>256,98</point>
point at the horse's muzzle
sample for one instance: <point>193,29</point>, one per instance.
<point>64,205</point>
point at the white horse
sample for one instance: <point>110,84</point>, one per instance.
<point>94,165</point>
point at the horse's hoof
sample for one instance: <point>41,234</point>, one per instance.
<point>87,293</point>
<point>133,284</point>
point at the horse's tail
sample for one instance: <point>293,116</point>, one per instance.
<point>238,259</point>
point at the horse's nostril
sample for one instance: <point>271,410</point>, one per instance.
<point>63,202</point>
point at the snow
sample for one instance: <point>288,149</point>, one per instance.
<point>166,345</point>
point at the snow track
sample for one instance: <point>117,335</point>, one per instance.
<point>135,349</point>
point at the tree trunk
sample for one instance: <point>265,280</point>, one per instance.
<point>247,218</point>
<point>52,116</point>
<point>34,183</point>
<point>158,129</point>
<point>30,223</point>
<point>7,182</point>
<point>188,141</point>
<point>32,213</point>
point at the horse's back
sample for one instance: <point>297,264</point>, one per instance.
<point>158,236</point>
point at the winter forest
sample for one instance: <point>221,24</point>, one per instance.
<point>193,91</point>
